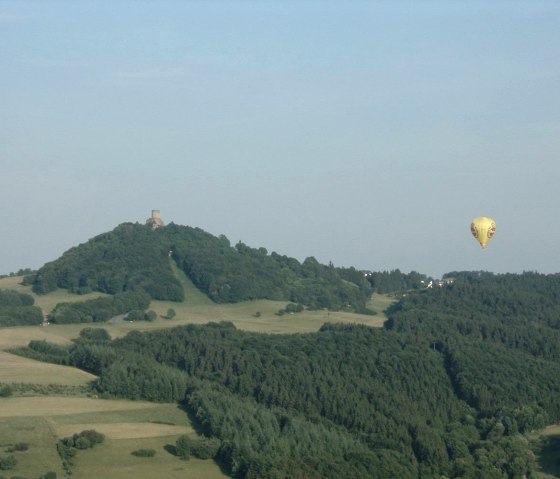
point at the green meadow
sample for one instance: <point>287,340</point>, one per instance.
<point>256,316</point>
<point>127,425</point>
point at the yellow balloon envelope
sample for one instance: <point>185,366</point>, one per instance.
<point>483,228</point>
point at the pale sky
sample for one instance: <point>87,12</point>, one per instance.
<point>366,133</point>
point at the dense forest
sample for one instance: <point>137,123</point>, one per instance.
<point>449,388</point>
<point>135,257</point>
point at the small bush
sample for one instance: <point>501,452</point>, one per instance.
<point>95,335</point>
<point>7,462</point>
<point>144,453</point>
<point>49,475</point>
<point>93,436</point>
<point>82,443</point>
<point>5,391</point>
<point>183,447</point>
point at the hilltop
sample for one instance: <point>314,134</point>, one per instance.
<point>139,258</point>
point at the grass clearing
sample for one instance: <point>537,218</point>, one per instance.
<point>125,430</point>
<point>128,425</point>
<point>258,316</point>
<point>159,413</point>
<point>380,302</point>
<point>113,459</point>
<point>197,308</point>
<point>16,369</point>
<point>21,335</point>
<point>41,457</point>
<point>63,405</point>
<point>193,296</point>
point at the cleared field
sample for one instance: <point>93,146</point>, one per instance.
<point>126,430</point>
<point>41,456</point>
<point>128,425</point>
<point>16,369</point>
<point>258,316</point>
<point>113,460</point>
<point>21,335</point>
<point>63,405</point>
<point>380,302</point>
<point>170,414</point>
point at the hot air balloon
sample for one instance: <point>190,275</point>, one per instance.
<point>483,228</point>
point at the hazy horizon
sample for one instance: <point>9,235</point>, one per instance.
<point>368,134</point>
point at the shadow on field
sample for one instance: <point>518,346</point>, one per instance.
<point>196,424</point>
<point>171,449</point>
<point>549,455</point>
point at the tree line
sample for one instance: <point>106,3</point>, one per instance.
<point>18,309</point>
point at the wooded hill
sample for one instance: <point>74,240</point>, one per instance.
<point>135,257</point>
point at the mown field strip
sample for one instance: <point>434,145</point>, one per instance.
<point>21,335</point>
<point>16,369</point>
<point>125,430</point>
<point>37,433</point>
<point>63,405</point>
<point>113,460</point>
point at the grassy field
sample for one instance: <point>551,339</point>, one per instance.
<point>36,431</point>
<point>257,316</point>
<point>15,369</point>
<point>128,425</point>
<point>113,459</point>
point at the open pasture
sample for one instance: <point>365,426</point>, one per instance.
<point>257,316</point>
<point>125,430</point>
<point>21,335</point>
<point>113,460</point>
<point>16,369</point>
<point>35,431</point>
<point>155,413</point>
<point>128,426</point>
<point>49,406</point>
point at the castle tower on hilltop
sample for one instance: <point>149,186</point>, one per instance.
<point>155,220</point>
